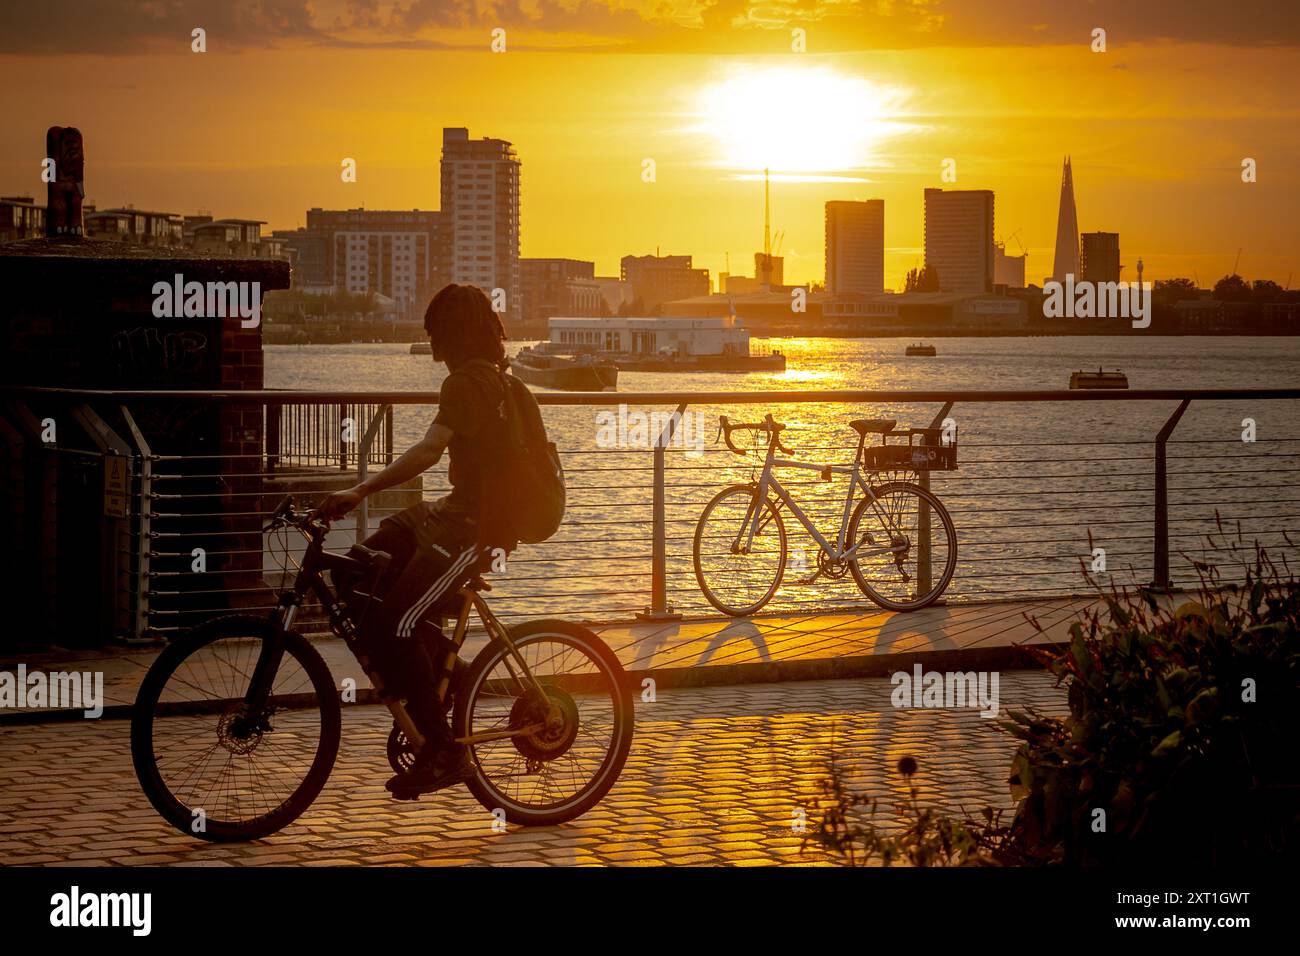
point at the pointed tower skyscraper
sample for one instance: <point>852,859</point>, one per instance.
<point>1067,230</point>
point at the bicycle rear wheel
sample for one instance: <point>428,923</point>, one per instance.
<point>560,771</point>
<point>738,579</point>
<point>212,765</point>
<point>898,571</point>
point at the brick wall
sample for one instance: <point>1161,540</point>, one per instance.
<point>79,313</point>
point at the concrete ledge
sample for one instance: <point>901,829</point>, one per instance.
<point>1006,657</point>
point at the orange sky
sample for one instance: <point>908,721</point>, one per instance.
<point>1157,130</point>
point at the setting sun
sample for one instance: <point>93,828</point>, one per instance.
<point>798,121</point>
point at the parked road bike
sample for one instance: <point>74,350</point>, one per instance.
<point>898,542</point>
<point>236,726</point>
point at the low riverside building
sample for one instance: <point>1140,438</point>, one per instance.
<point>231,237</point>
<point>145,228</point>
<point>929,313</point>
<point>557,287</point>
<point>20,218</point>
<point>720,335</point>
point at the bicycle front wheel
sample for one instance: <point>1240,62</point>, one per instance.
<point>908,546</point>
<point>216,763</point>
<point>575,742</point>
<point>737,572</point>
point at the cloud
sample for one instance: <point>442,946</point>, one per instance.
<point>706,26</point>
<point>90,26</point>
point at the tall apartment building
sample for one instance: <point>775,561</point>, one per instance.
<point>855,246</point>
<point>659,279</point>
<point>1099,257</point>
<point>480,203</point>
<point>959,238</point>
<point>558,287</point>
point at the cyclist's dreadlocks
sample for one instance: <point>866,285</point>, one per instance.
<point>462,325</point>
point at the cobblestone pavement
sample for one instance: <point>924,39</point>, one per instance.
<point>716,776</point>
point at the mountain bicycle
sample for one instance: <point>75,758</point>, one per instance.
<point>236,726</point>
<point>899,542</point>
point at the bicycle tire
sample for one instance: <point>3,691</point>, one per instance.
<point>718,602</point>
<point>950,565</point>
<point>173,810</point>
<point>599,652</point>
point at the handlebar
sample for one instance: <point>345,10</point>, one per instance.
<point>772,429</point>
<point>305,521</point>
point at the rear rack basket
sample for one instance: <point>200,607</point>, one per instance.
<point>929,453</point>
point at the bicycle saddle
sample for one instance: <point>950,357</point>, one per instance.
<point>478,584</point>
<point>865,426</point>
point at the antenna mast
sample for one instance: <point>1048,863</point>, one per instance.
<point>767,218</point>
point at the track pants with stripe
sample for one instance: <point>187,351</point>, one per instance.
<point>434,551</point>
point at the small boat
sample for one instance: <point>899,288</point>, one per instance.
<point>576,373</point>
<point>1099,379</point>
<point>921,349</point>
<point>421,348</point>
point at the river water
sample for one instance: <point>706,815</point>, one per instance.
<point>1034,478</point>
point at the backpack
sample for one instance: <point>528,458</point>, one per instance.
<point>525,494</point>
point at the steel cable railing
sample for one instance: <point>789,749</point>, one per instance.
<point>1029,511</point>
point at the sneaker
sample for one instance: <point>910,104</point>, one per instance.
<point>433,770</point>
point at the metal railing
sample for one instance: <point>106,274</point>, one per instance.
<point>1045,478</point>
<point>326,435</point>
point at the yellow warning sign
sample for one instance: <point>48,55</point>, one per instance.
<point>116,475</point>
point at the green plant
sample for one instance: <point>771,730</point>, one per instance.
<point>1181,746</point>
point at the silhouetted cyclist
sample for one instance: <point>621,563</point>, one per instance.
<point>437,546</point>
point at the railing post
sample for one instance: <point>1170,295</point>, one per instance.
<point>113,454</point>
<point>272,438</point>
<point>144,527</point>
<point>343,446</point>
<point>1162,580</point>
<point>660,609</point>
<point>382,414</point>
<point>388,434</point>
<point>924,553</point>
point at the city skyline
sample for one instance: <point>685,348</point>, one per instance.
<point>1156,129</point>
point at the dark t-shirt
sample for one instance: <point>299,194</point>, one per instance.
<point>470,403</point>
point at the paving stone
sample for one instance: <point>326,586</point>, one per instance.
<point>714,777</point>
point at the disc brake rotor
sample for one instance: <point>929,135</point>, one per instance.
<point>239,733</point>
<point>559,715</point>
